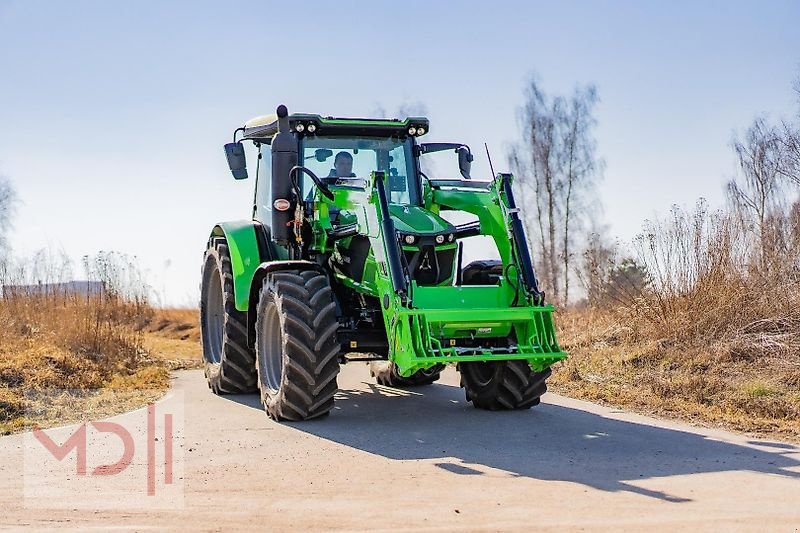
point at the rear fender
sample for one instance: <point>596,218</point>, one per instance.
<point>242,237</point>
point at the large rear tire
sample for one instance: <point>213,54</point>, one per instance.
<point>296,346</point>
<point>502,385</point>
<point>229,363</point>
<point>385,373</point>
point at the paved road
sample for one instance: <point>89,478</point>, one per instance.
<point>421,460</point>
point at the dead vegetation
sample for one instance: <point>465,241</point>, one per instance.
<point>176,323</point>
<point>174,334</point>
<point>701,319</point>
<point>714,333</point>
<point>72,350</point>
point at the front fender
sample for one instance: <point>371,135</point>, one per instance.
<point>242,242</point>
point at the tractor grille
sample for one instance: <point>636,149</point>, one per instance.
<point>429,266</point>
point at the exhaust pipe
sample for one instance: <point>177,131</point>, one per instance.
<point>284,157</point>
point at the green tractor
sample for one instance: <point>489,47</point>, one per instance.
<point>347,257</point>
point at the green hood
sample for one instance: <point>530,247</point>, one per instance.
<point>415,219</point>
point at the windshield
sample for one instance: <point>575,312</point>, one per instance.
<point>350,160</point>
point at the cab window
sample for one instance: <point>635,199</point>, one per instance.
<point>350,160</point>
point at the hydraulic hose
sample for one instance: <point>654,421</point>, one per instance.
<point>518,235</point>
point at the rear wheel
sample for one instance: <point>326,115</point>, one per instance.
<point>296,346</point>
<point>502,385</point>
<point>229,363</point>
<point>385,373</point>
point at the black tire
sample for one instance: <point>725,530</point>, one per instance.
<point>502,385</point>
<point>385,373</point>
<point>229,363</point>
<point>482,272</point>
<point>296,346</point>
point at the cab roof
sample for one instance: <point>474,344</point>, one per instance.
<point>266,126</point>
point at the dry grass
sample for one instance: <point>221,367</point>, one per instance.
<point>714,338</point>
<point>66,356</point>
<point>174,334</point>
<point>613,361</point>
<point>67,342</point>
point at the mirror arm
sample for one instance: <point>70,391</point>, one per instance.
<point>429,148</point>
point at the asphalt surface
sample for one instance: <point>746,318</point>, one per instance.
<point>422,459</point>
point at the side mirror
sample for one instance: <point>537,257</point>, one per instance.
<point>465,159</point>
<point>234,152</point>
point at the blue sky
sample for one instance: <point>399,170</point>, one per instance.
<point>113,114</point>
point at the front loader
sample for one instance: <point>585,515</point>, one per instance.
<point>348,257</point>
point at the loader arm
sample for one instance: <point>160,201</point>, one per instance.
<point>431,325</point>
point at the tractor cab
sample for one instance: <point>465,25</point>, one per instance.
<point>337,156</point>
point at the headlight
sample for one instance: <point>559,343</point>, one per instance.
<point>439,239</point>
<point>412,130</point>
<point>410,239</point>
<point>312,128</point>
<point>420,131</point>
<point>451,238</point>
<point>299,128</point>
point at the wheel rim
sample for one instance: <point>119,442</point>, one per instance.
<point>215,318</point>
<point>270,360</point>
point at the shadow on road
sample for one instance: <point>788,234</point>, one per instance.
<point>548,442</point>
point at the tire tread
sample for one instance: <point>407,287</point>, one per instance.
<point>235,373</point>
<point>308,342</point>
<point>513,385</point>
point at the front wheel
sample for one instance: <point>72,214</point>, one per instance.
<point>502,385</point>
<point>385,373</point>
<point>296,348</point>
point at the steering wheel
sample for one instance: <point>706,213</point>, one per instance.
<point>323,188</point>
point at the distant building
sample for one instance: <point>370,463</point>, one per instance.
<point>80,288</point>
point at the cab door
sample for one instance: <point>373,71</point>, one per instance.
<point>262,203</point>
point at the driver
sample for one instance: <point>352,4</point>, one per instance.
<point>342,166</point>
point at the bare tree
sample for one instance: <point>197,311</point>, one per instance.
<point>7,201</point>
<point>556,168</point>
<point>608,277</point>
<point>757,191</point>
<point>790,142</point>
<point>579,166</point>
<point>403,110</point>
<point>796,86</point>
<point>535,165</point>
<point>599,259</point>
